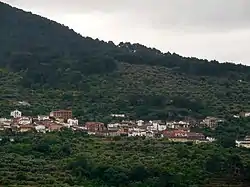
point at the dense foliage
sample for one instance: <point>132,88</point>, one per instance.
<point>52,67</point>
<point>74,159</point>
<point>227,132</point>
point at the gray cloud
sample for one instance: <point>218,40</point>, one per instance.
<point>201,15</point>
<point>213,29</point>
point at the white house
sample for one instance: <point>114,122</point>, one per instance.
<point>150,127</point>
<point>245,143</point>
<point>42,118</point>
<point>72,122</point>
<point>136,133</point>
<point>157,127</point>
<point>162,127</point>
<point>23,103</point>
<point>5,121</point>
<point>246,114</point>
<point>40,128</point>
<point>183,124</point>
<point>170,125</point>
<point>16,114</point>
<point>113,125</point>
<point>177,125</point>
<point>91,133</point>
<point>210,139</point>
<point>140,123</point>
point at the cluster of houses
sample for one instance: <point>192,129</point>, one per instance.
<point>56,120</point>
<point>177,131</point>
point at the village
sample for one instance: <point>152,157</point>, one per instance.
<point>177,131</point>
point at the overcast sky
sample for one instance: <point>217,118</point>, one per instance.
<point>212,29</point>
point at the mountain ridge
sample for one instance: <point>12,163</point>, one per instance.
<point>56,63</point>
<point>110,42</point>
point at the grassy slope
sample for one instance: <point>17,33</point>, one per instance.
<point>104,94</point>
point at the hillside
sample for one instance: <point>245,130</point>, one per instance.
<point>74,159</point>
<point>51,67</point>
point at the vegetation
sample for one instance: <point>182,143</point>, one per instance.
<point>227,132</point>
<point>75,159</point>
<point>52,67</point>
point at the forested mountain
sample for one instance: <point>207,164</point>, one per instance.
<point>51,67</point>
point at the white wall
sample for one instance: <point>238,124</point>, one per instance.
<point>16,114</point>
<point>72,122</point>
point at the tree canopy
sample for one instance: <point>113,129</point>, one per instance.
<point>51,66</point>
<point>74,159</point>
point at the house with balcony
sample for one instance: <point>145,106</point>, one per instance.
<point>243,143</point>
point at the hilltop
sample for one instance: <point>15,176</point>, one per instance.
<point>50,66</point>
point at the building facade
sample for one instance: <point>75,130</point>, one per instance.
<point>16,114</point>
<point>62,114</point>
<point>95,127</point>
<point>72,122</point>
